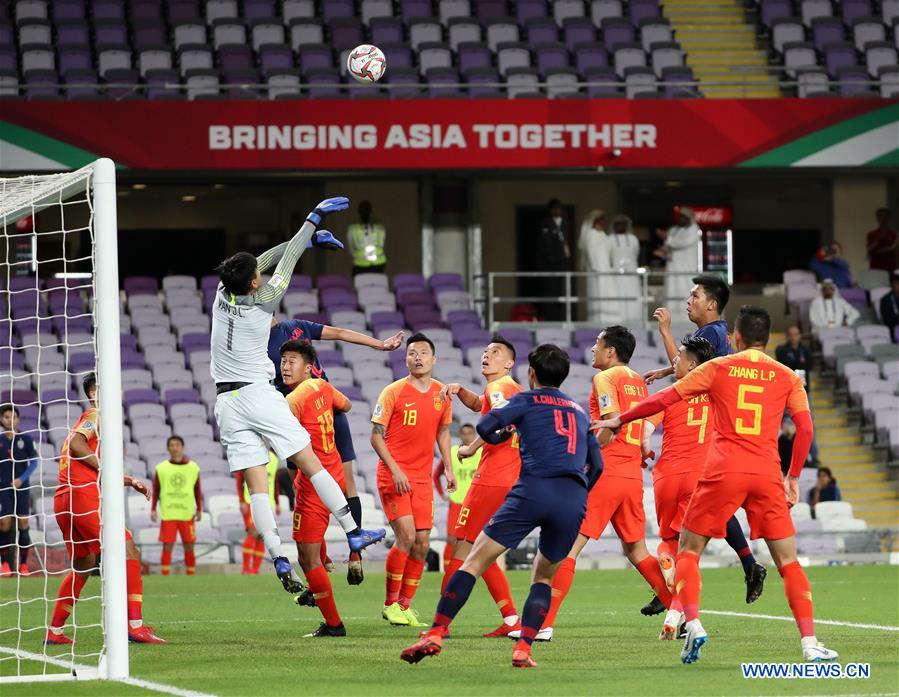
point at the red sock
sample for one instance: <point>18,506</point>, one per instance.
<point>451,567</point>
<point>411,580</point>
<point>688,583</point>
<point>395,566</point>
<point>799,596</point>
<point>249,545</point>
<point>320,585</point>
<point>134,583</point>
<point>258,556</point>
<point>649,570</point>
<point>166,561</point>
<point>69,591</point>
<point>561,585</point>
<point>190,562</point>
<point>498,585</point>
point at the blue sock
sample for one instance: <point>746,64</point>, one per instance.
<point>454,596</point>
<point>535,609</point>
<point>737,541</point>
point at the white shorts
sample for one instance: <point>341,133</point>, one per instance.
<point>248,415</point>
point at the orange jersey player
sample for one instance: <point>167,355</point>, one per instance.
<point>688,429</point>
<point>410,416</point>
<point>750,393</point>
<point>497,472</point>
<point>77,507</point>
<point>313,401</point>
<point>618,496</point>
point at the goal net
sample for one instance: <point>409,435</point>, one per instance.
<point>60,320</point>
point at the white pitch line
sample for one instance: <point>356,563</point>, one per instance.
<point>781,618</point>
<point>91,670</point>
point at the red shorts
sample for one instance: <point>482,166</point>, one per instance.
<point>717,498</point>
<point>481,502</point>
<point>78,518</point>
<point>170,529</point>
<point>310,516</point>
<point>452,515</point>
<point>419,504</point>
<point>673,494</point>
<point>618,500</point>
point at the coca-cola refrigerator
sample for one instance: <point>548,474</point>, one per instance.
<point>716,246</point>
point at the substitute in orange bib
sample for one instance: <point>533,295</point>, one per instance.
<point>409,418</point>
<point>498,471</point>
<point>77,507</point>
<point>750,392</point>
<point>176,489</point>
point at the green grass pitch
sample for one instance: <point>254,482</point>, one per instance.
<point>236,635</point>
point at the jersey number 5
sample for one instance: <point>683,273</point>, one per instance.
<point>565,426</point>
<point>755,427</point>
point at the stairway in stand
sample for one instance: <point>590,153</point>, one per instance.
<point>721,47</point>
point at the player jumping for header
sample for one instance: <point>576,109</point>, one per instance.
<point>560,462</point>
<point>248,408</point>
<point>749,392</point>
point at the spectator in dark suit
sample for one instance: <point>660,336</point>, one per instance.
<point>553,253</point>
<point>785,444</point>
<point>826,489</point>
<point>889,305</point>
<point>795,355</point>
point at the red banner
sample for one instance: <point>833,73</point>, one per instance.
<point>315,135</point>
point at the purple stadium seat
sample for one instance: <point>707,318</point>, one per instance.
<point>275,57</point>
<point>337,9</point>
<point>141,10</point>
<point>616,31</point>
<point>827,30</point>
<point>108,9</point>
<point>489,9</point>
<point>74,59</point>
<point>407,83</point>
<point>590,56</point>
<point>183,11</point>
<point>774,9</point>
<point>17,396</point>
<point>412,296</point>
<point>551,56</point>
<point>386,30</point>
<point>522,336</point>
<point>72,33</point>
<point>181,396</point>
<point>261,9</point>
<point>854,82</point>
<point>299,282</point>
<point>9,61</point>
<point>639,10</point>
<point>679,74</point>
<point>541,30</point>
<point>41,84</point>
<point>110,34</point>
<point>140,285</point>
<point>854,9</point>
<point>529,9</point>
<point>160,84</point>
<point>406,280</point>
<point>333,280</point>
<point>446,280</point>
<point>81,85</point>
<point>578,30</point>
<point>413,9</point>
<point>331,358</point>
<point>68,9</point>
<point>149,34</point>
<point>143,396</point>
<point>398,55</point>
<point>80,362</point>
<point>473,56</point>
<point>345,32</point>
<point>236,57</point>
<point>839,55</point>
<point>315,58</point>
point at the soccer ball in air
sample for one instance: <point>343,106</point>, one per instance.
<point>366,63</point>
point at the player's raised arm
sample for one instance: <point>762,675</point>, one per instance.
<point>470,399</point>
<point>352,337</point>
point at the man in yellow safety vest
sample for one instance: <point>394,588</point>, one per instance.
<point>366,239</point>
<point>176,488</point>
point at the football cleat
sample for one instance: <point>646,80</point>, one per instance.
<point>755,582</point>
<point>696,638</point>
<point>53,639</point>
<point>412,616</point>
<point>5,571</point>
<point>144,635</point>
<point>23,570</point>
<point>522,659</point>
<point>354,575</point>
<point>288,576</point>
<point>503,630</point>
<point>362,539</point>
<point>653,607</point>
<point>305,599</point>
<point>814,651</point>
<point>324,629</point>
<point>673,619</point>
<point>666,564</point>
<point>430,645</point>
<point>395,615</point>
<point>545,634</point>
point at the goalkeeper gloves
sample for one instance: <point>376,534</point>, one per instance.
<point>324,240</point>
<point>329,205</point>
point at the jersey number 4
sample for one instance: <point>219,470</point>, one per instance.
<point>702,421</point>
<point>565,426</point>
<point>754,427</point>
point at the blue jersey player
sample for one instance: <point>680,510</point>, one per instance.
<point>560,462</point>
<point>304,330</point>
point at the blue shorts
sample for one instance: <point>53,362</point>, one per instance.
<point>556,505</point>
<point>15,502</point>
<point>343,438</point>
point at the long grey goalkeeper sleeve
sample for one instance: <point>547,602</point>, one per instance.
<point>271,257</point>
<point>269,296</point>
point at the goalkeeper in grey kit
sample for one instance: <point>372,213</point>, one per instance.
<point>249,411</point>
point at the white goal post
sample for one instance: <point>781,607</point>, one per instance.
<point>25,202</point>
